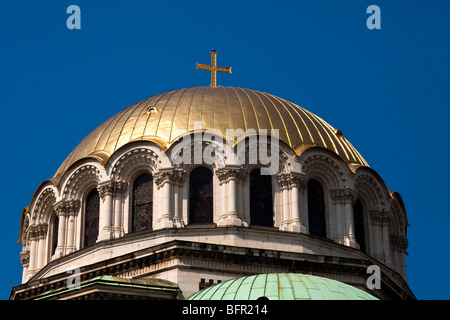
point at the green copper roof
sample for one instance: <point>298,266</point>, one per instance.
<point>146,284</point>
<point>281,286</point>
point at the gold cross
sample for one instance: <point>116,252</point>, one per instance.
<point>213,67</point>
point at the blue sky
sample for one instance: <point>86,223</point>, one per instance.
<point>387,90</point>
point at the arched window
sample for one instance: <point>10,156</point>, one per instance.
<point>55,225</point>
<point>316,209</point>
<point>201,196</point>
<point>92,211</point>
<point>358,220</point>
<point>142,203</point>
<point>261,202</point>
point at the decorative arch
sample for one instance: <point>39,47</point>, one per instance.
<point>134,160</point>
<point>82,178</point>
<point>319,166</point>
<point>42,208</point>
<point>370,189</point>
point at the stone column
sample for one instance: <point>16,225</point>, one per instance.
<point>33,251</point>
<point>228,177</point>
<point>385,238</point>
<point>179,176</point>
<point>349,198</point>
<point>337,198</point>
<point>164,180</point>
<point>343,200</point>
<point>105,227</point>
<point>298,184</point>
<point>72,209</point>
<point>118,195</point>
<point>399,244</point>
<point>376,219</point>
<point>25,259</point>
<point>283,182</point>
<point>60,209</point>
<point>41,233</point>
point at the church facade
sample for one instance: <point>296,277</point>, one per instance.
<point>158,203</point>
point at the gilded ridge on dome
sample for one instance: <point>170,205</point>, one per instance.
<point>173,114</point>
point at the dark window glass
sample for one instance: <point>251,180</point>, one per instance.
<point>55,232</point>
<point>143,203</point>
<point>261,202</point>
<point>201,196</point>
<point>358,220</point>
<point>91,218</point>
<point>316,209</point>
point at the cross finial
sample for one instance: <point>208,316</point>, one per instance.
<point>213,67</point>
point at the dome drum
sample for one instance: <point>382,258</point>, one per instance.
<point>122,185</point>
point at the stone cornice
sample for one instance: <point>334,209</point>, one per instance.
<point>223,256</point>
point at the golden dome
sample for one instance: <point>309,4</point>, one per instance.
<point>159,119</point>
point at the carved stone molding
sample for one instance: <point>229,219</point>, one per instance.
<point>44,202</point>
<point>131,159</point>
<point>370,188</point>
<point>325,166</point>
<point>79,178</point>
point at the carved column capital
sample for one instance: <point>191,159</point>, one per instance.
<point>298,180</point>
<point>25,258</point>
<point>72,206</point>
<point>379,217</point>
<point>343,196</point>
<point>283,180</point>
<point>399,243</point>
<point>105,189</point>
<point>41,230</point>
<point>119,188</point>
<point>164,176</point>
<point>60,208</point>
<point>224,174</point>
<point>179,176</point>
<point>33,232</point>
